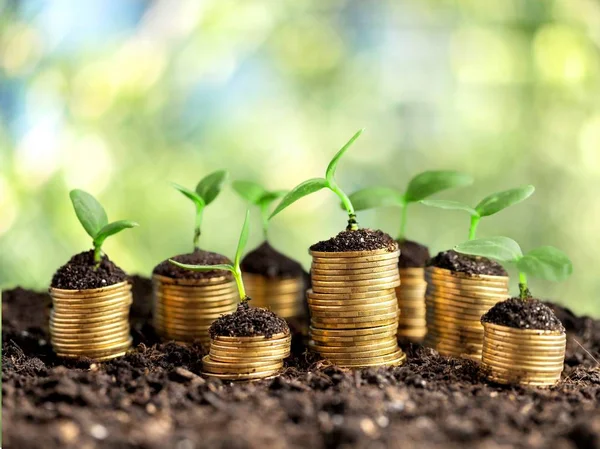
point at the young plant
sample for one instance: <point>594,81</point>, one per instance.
<point>235,267</point>
<point>255,194</point>
<point>206,191</point>
<point>420,187</point>
<point>490,205</point>
<point>545,262</point>
<point>94,220</point>
<point>316,184</point>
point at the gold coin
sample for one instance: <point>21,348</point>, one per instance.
<point>340,301</point>
<point>385,345</point>
<point>350,290</point>
<point>351,266</point>
<point>522,362</point>
<point>89,292</point>
<point>329,282</point>
<point>459,302</point>
<point>243,377</point>
<point>542,334</point>
<point>250,354</point>
<point>357,314</point>
<point>393,273</point>
<point>352,254</point>
<point>279,344</point>
<point>370,361</point>
<point>251,339</point>
<point>90,350</point>
<point>391,314</point>
<point>353,271</point>
<point>378,329</point>
<point>466,295</point>
<point>370,306</point>
<point>196,311</point>
<point>465,276</point>
<point>350,326</point>
<point>89,339</point>
<point>210,364</point>
<point>350,296</point>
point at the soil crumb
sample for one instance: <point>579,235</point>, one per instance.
<point>248,321</point>
<point>360,240</point>
<point>471,265</point>
<point>528,314</point>
<point>267,261</point>
<point>412,254</point>
<point>198,257</point>
<point>81,273</point>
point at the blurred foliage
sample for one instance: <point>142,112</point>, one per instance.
<point>119,98</point>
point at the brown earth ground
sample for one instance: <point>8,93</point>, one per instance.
<point>155,398</point>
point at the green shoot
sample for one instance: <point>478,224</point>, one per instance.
<point>255,194</point>
<point>490,205</point>
<point>206,191</point>
<point>316,184</point>
<point>545,262</point>
<point>94,220</point>
<point>420,187</point>
<point>233,268</point>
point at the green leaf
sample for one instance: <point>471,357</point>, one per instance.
<point>330,173</point>
<point>243,239</point>
<point>89,211</point>
<point>546,262</point>
<point>502,249</point>
<point>373,197</point>
<point>301,190</point>
<point>210,186</point>
<point>250,191</point>
<point>430,182</point>
<point>113,228</point>
<point>269,197</point>
<point>450,205</point>
<point>202,267</point>
<point>198,200</point>
<point>494,203</point>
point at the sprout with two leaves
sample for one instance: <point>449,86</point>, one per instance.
<point>315,184</point>
<point>420,187</point>
<point>255,194</point>
<point>490,205</point>
<point>233,268</point>
<point>206,192</point>
<point>545,262</point>
<point>94,220</point>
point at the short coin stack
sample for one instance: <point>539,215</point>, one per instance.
<point>354,309</point>
<point>411,301</point>
<point>184,309</point>
<point>455,304</point>
<point>522,356</point>
<point>283,296</point>
<point>92,323</point>
<point>246,358</point>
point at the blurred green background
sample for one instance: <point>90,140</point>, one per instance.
<point>120,97</point>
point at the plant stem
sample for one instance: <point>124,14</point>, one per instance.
<point>524,293</point>
<point>97,254</point>
<point>264,213</point>
<point>473,227</point>
<point>197,227</point>
<point>403,220</point>
<point>352,223</point>
<point>237,274</point>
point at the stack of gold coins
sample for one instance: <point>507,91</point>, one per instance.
<point>354,309</point>
<point>246,358</point>
<point>455,303</point>
<point>184,309</point>
<point>522,356</point>
<point>92,323</point>
<point>411,301</point>
<point>283,296</point>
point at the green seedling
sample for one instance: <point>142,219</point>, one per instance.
<point>255,194</point>
<point>545,262</point>
<point>420,187</point>
<point>206,191</point>
<point>94,220</point>
<point>490,205</point>
<point>329,182</point>
<point>235,267</point>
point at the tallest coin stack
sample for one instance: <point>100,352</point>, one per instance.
<point>353,307</point>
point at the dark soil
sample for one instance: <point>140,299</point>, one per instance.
<point>529,314</point>
<point>412,254</point>
<point>267,261</point>
<point>81,273</point>
<point>248,321</point>
<point>360,240</point>
<point>471,265</point>
<point>198,257</point>
<point>155,398</point>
